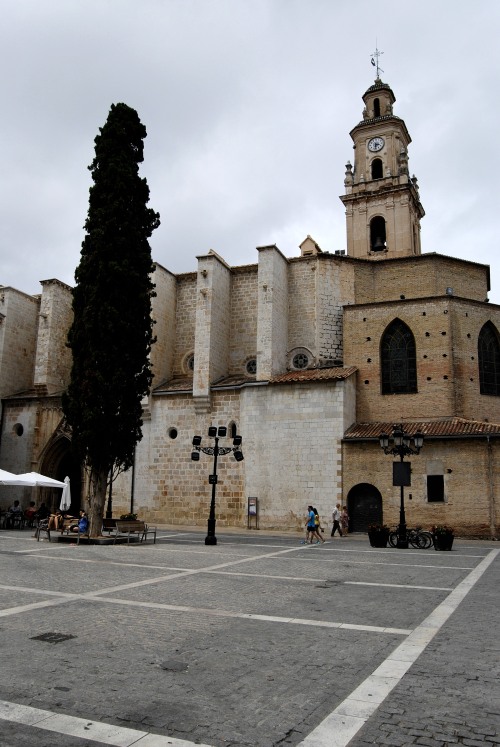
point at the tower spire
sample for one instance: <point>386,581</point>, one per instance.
<point>375,60</point>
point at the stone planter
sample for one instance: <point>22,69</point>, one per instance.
<point>378,537</point>
<point>442,541</point>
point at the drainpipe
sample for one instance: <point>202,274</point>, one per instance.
<point>132,485</point>
<point>2,413</point>
<point>491,496</point>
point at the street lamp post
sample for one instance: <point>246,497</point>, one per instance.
<point>399,444</point>
<point>215,450</point>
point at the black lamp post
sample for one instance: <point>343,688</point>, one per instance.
<point>215,433</point>
<point>399,444</point>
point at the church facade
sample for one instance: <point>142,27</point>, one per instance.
<point>309,359</point>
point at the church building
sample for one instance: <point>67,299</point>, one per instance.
<point>309,359</point>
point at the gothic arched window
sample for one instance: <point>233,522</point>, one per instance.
<point>488,348</point>
<point>377,169</point>
<point>399,359</point>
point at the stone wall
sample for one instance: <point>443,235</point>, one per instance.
<point>419,277</point>
<point>291,444</point>
<point>185,321</point>
<point>302,309</point>
<point>446,332</point>
<point>471,471</point>
<point>27,428</point>
<point>18,330</point>
<point>272,322</point>
<point>163,313</point>
<point>243,319</point>
<point>467,319</point>
<point>53,359</point>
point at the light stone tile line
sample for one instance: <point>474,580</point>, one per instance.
<point>95,731</point>
<point>124,587</point>
<point>258,557</point>
<point>63,598</point>
<point>344,722</point>
<point>399,586</point>
<point>103,563</point>
<point>401,565</point>
<point>248,615</point>
<point>36,605</point>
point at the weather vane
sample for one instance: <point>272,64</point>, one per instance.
<point>374,60</point>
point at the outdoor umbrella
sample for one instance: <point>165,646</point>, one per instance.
<point>66,496</point>
<point>7,478</point>
<point>33,479</point>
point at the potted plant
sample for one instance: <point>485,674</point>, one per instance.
<point>128,517</point>
<point>378,534</point>
<point>442,537</point>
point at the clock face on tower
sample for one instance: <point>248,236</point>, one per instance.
<point>376,144</point>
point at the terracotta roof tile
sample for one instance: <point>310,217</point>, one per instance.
<point>314,374</point>
<point>185,384</point>
<point>238,380</point>
<point>175,385</point>
<point>446,428</point>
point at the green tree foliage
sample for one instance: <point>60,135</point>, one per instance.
<point>112,334</point>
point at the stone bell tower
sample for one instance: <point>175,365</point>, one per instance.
<point>382,202</point>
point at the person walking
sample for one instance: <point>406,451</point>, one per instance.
<point>336,520</point>
<point>344,520</point>
<point>310,526</point>
<point>317,528</point>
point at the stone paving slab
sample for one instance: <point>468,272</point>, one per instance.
<point>226,681</point>
<point>451,695</point>
<point>350,604</point>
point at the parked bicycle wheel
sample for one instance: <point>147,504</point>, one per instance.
<point>414,539</point>
<point>393,539</point>
<point>425,540</point>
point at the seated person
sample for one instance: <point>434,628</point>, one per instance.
<point>83,523</point>
<point>30,511</point>
<point>29,514</point>
<point>42,513</point>
<point>56,521</point>
<point>14,515</point>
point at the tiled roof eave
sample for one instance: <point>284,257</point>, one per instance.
<point>305,376</point>
<point>316,375</point>
<point>451,428</point>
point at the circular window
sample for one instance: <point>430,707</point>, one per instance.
<point>251,366</point>
<point>172,432</point>
<point>300,360</point>
<point>18,429</point>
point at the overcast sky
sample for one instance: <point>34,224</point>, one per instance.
<point>248,106</point>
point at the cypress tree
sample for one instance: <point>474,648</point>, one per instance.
<point>112,333</point>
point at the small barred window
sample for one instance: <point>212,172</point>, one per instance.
<point>251,366</point>
<point>300,360</point>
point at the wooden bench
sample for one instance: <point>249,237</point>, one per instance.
<point>109,526</point>
<point>43,526</point>
<point>134,529</point>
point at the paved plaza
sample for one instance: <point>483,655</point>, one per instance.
<point>259,641</point>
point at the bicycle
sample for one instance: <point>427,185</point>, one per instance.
<point>417,538</point>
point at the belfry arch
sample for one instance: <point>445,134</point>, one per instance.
<point>378,236</point>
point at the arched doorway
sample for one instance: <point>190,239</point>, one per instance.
<point>59,462</point>
<point>364,506</point>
